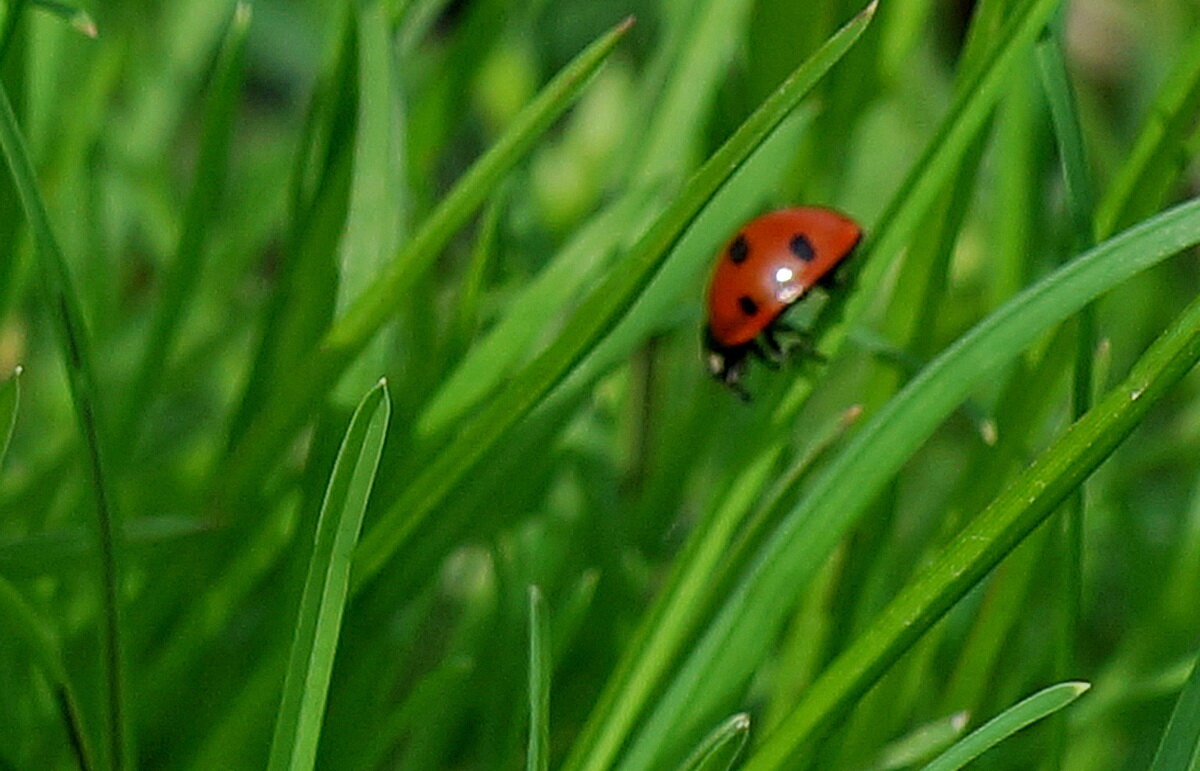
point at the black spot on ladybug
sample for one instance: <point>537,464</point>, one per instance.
<point>748,306</point>
<point>801,247</point>
<point>739,250</point>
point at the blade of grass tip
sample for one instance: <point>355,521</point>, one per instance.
<point>77,355</point>
<point>538,758</point>
<point>182,274</point>
<point>298,723</point>
<point>1139,185</point>
<point>1180,745</point>
<point>10,399</point>
<point>21,622</point>
<point>719,750</point>
<point>989,537</point>
<point>1042,704</point>
<point>599,311</point>
<point>78,18</point>
<point>923,742</point>
<point>353,330</point>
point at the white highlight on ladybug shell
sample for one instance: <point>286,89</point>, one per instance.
<point>787,289</point>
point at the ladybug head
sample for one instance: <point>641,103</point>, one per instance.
<point>726,363</point>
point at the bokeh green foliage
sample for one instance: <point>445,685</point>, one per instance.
<point>509,209</point>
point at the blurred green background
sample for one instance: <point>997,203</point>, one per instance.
<point>227,183</point>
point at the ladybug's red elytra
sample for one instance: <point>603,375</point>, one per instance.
<point>769,264</point>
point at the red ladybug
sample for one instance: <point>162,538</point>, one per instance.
<point>771,263</point>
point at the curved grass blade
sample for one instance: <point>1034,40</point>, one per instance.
<point>598,312</point>
<point>743,630</point>
<point>10,399</point>
<point>538,757</point>
<point>1180,745</point>
<point>721,748</point>
<point>354,329</point>
<point>922,742</point>
<point>298,723</point>
<point>77,356</point>
<point>21,622</point>
<point>989,537</point>
<point>181,277</point>
<point>1042,704</point>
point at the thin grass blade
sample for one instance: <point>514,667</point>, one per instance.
<point>298,724</point>
<point>182,275</point>
<point>1042,704</point>
<point>1179,749</point>
<point>19,621</point>
<point>10,399</point>
<point>75,346</point>
<point>538,757</point>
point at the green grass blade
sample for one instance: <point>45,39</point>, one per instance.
<point>10,399</point>
<point>298,724</point>
<point>21,622</point>
<point>180,280</point>
<point>538,755</point>
<point>1022,506</point>
<point>1041,704</point>
<point>720,749</point>
<point>76,350</point>
<point>747,624</point>
<point>598,312</point>
<point>354,329</point>
<point>1158,154</point>
<point>1179,749</point>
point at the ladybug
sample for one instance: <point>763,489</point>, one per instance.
<point>768,265</point>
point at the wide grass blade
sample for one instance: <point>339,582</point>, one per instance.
<point>538,756</point>
<point>1022,506</point>
<point>598,312</point>
<point>10,399</point>
<point>720,749</point>
<point>1179,749</point>
<point>298,724</point>
<point>1042,704</point>
<point>75,346</point>
<point>355,328</point>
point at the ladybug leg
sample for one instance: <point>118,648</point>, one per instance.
<point>801,340</point>
<point>767,351</point>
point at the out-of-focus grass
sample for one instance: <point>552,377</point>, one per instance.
<point>222,224</point>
